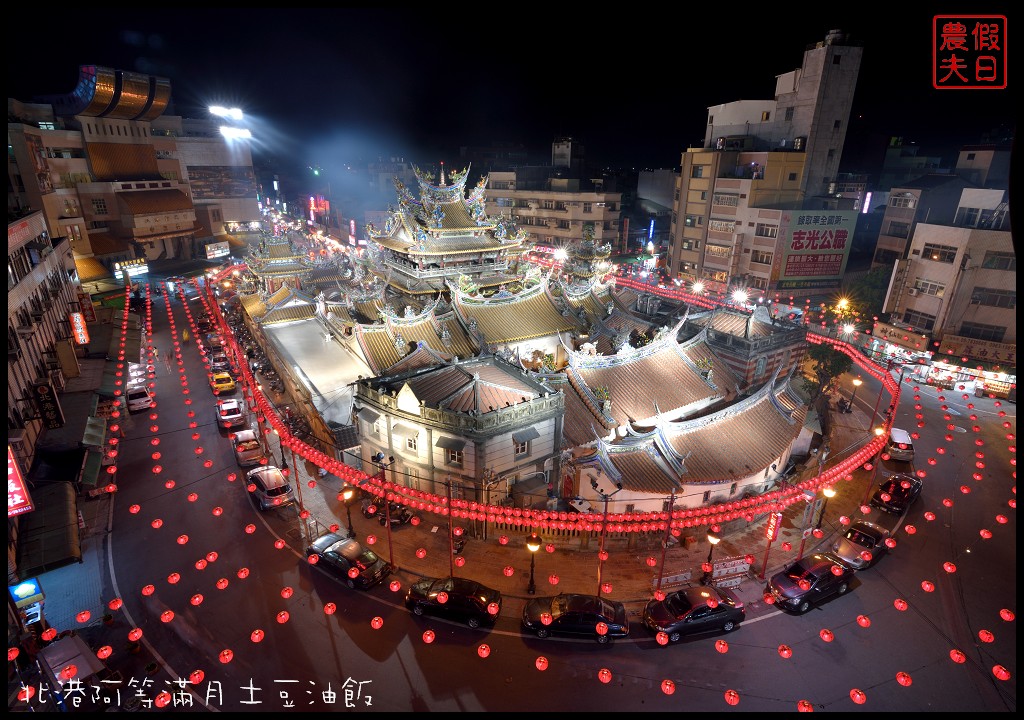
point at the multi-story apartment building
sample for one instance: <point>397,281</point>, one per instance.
<point>41,298</point>
<point>957,288</point>
<point>555,213</point>
<point>110,172</point>
<point>735,220</point>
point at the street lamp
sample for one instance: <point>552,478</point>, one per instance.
<point>533,545</point>
<point>857,382</point>
<point>379,459</point>
<point>347,493</point>
<point>713,539</point>
<point>829,493</point>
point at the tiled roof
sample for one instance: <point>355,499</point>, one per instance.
<point>580,423</point>
<point>151,202</point>
<point>428,332</point>
<point>289,314</point>
<point>480,386</point>
<point>103,243</point>
<point>340,312</point>
<point>421,357</point>
<point>641,473</point>
<point>253,305</point>
<point>721,375</point>
<point>283,268</point>
<point>736,324</point>
<point>278,250</point>
<point>504,322</point>
<point>367,309</point>
<point>636,384</point>
<point>756,437</point>
<point>378,345</point>
<point>625,297</point>
<point>280,294</point>
<point>90,269</point>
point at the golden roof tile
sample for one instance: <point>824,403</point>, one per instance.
<point>503,322</point>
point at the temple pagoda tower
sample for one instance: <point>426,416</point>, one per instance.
<point>276,261</point>
<point>444,234</point>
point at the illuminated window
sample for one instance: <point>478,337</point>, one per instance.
<point>765,116</point>
<point>939,253</point>
<point>927,287</point>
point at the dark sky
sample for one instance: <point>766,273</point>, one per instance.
<point>348,85</point>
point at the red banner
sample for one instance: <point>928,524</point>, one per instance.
<point>18,499</point>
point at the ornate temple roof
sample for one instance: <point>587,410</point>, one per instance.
<point>669,454</point>
<point>444,220</point>
<point>275,257</point>
<point>508,318</point>
<point>387,343</point>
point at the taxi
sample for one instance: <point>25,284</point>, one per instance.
<point>222,382</point>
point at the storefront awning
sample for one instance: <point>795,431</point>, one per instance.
<point>449,443</point>
<point>48,537</point>
<point>95,432</point>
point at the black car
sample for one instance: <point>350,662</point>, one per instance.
<point>465,600</point>
<point>897,493</point>
<point>338,555</point>
<point>693,611</point>
<point>574,614</point>
<point>809,581</point>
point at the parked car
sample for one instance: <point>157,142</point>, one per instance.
<point>897,493</point>
<point>222,382</point>
<point>270,487</point>
<point>230,414</point>
<point>219,362</point>
<point>247,447</point>
<point>809,581</point>
<point>693,611</point>
<point>575,614</point>
<point>465,600</point>
<point>213,340</point>
<point>900,445</point>
<point>139,398</point>
<point>338,554</point>
<point>860,538</point>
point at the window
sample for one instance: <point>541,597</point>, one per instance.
<point>765,116</point>
<point>928,287</point>
<point>717,251</point>
<point>831,154</point>
<point>886,257</point>
<point>903,201</point>
<point>378,428</point>
<point>693,221</point>
<point>789,114</point>
<point>970,156</point>
<point>703,194</point>
<point>836,59</point>
<point>587,207</point>
<point>837,124</point>
<point>762,364</point>
<point>711,119</point>
<point>723,226</point>
<point>898,229</point>
<point>792,177</point>
<point>410,444</point>
<point>522,448</point>
<point>994,297</point>
<point>760,256</point>
<point>979,331</point>
<point>1000,261</point>
<point>725,199</point>
<point>549,204</point>
<point>99,206</point>
<point>765,230</point>
<point>967,217</point>
<point>939,253</point>
<point>697,171</point>
<point>919,320</point>
<point>453,457</point>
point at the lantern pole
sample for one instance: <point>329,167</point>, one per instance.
<point>879,431</point>
<point>379,459</point>
<point>451,542</point>
<point>604,528</point>
<point>668,532</point>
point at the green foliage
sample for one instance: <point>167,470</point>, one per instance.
<point>828,365</point>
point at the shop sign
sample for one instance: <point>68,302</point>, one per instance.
<point>956,347</point>
<point>18,499</point>
<point>774,523</point>
<point>915,342</point>
<point>78,329</point>
<point>48,404</point>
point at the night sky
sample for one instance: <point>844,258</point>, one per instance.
<point>349,85</point>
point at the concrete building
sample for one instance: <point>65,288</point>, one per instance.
<point>121,180</point>
<point>957,288</point>
<point>734,220</point>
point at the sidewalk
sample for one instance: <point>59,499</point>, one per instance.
<point>633,579</point>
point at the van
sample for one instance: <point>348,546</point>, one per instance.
<point>139,398</point>
<point>900,446</point>
<point>248,450</point>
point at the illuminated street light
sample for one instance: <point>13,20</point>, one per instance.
<point>713,539</point>
<point>233,133</point>
<point>740,296</point>
<point>848,328</point>
<point>697,288</point>
<point>857,382</point>
<point>829,493</point>
<point>346,495</point>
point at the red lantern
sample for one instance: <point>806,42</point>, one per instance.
<point>541,663</point>
<point>428,636</point>
<point>509,571</point>
<point>804,706</point>
<point>483,650</point>
<point>606,587</point>
<point>604,675</point>
<point>858,696</point>
<point>668,687</point>
<point>826,635</point>
<point>222,583</point>
<point>395,586</point>
<point>903,679</point>
<point>377,623</point>
<point>330,608</point>
<point>785,651</point>
<point>957,656</point>
<point>732,697</point>
<point>1000,672</point>
<point>226,656</point>
<point>722,646</point>
<point>553,579</point>
<point>662,638</point>
<point>986,636</point>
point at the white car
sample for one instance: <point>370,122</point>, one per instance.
<point>230,414</point>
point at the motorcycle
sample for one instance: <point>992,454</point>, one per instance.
<point>399,514</point>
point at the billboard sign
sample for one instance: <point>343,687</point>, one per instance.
<point>815,246</point>
<point>217,249</point>
<point>18,499</point>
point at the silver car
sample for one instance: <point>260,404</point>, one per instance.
<point>270,487</point>
<point>861,545</point>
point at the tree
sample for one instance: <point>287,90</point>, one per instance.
<point>829,364</point>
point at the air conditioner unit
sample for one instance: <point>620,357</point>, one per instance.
<point>26,330</point>
<point>57,380</point>
<point>37,315</point>
<point>13,355</point>
<point>912,292</point>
